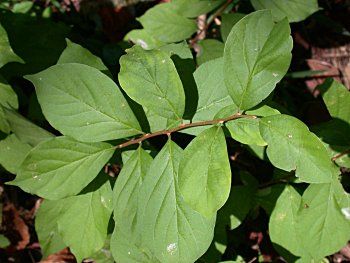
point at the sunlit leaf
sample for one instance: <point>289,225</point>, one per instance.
<point>291,146</point>
<point>256,57</point>
<point>204,172</point>
<point>194,8</point>
<point>61,167</point>
<point>294,10</point>
<point>170,228</point>
<point>83,103</point>
<point>150,78</point>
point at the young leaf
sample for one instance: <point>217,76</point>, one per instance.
<point>150,78</point>
<point>6,52</point>
<point>12,153</point>
<point>294,10</point>
<point>47,228</point>
<point>321,218</point>
<point>170,228</point>
<point>75,53</point>
<point>84,221</point>
<point>25,130</point>
<point>283,221</point>
<point>257,55</point>
<point>165,23</point>
<point>61,167</point>
<point>204,172</point>
<point>337,99</point>
<point>126,242</point>
<point>83,103</point>
<point>291,146</point>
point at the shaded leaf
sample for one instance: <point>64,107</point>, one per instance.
<point>170,228</point>
<point>83,103</point>
<point>209,49</point>
<point>150,78</point>
<point>204,172</point>
<point>294,10</point>
<point>6,52</point>
<point>228,21</point>
<point>194,8</point>
<point>283,221</point>
<point>4,242</point>
<point>12,153</point>
<point>8,98</point>
<point>25,130</point>
<point>61,167</point>
<point>291,146</point>
<point>256,57</point>
<point>165,23</point>
<point>337,99</point>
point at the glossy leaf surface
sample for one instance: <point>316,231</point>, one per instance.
<point>291,146</point>
<point>61,167</point>
<point>83,103</point>
<point>150,78</point>
<point>204,172</point>
<point>256,57</point>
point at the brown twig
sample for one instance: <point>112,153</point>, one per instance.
<point>340,155</point>
<point>181,127</point>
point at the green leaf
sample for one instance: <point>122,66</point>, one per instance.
<point>256,57</point>
<point>22,7</point>
<point>12,153</point>
<point>4,242</point>
<point>8,98</point>
<point>283,221</point>
<point>165,23</point>
<point>84,221</point>
<point>150,78</point>
<point>228,21</point>
<point>212,93</point>
<point>209,49</point>
<point>337,99</point>
<point>321,218</point>
<point>25,130</point>
<point>245,130</point>
<point>143,38</point>
<point>291,146</point>
<point>6,52</point>
<point>181,49</point>
<point>83,103</point>
<point>194,8</point>
<point>204,172</point>
<point>75,53</point>
<point>294,10</point>
<point>46,225</point>
<point>126,242</point>
<point>61,167</point>
<point>104,255</point>
<point>170,228</point>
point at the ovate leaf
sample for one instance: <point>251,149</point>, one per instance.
<point>321,218</point>
<point>294,10</point>
<point>84,221</point>
<point>47,228</point>
<point>12,153</point>
<point>150,78</point>
<point>6,52</point>
<point>167,24</point>
<point>283,221</point>
<point>75,53</point>
<point>61,167</point>
<point>291,146</point>
<point>170,228</point>
<point>204,172</point>
<point>337,99</point>
<point>126,243</point>
<point>83,103</point>
<point>257,55</point>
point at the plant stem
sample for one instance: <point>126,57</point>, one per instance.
<point>340,155</point>
<point>181,127</point>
